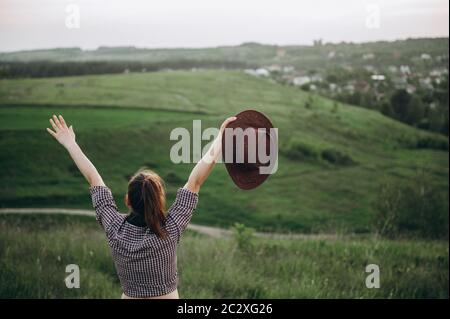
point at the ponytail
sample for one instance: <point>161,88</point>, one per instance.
<point>147,198</point>
<point>154,202</point>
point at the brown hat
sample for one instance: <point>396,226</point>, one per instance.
<point>242,154</point>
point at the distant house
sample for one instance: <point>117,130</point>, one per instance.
<point>316,78</point>
<point>438,73</point>
<point>368,56</point>
<point>362,86</point>
<point>411,89</point>
<point>262,72</point>
<point>288,69</point>
<point>301,80</point>
<point>425,56</point>
<point>426,83</point>
<point>350,88</point>
<point>393,68</point>
<point>331,54</point>
<point>400,82</point>
<point>274,68</point>
<point>405,69</point>
<point>281,52</point>
<point>378,77</point>
<point>348,67</point>
<point>437,76</point>
<point>258,72</point>
<point>334,88</point>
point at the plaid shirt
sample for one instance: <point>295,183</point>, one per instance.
<point>146,265</point>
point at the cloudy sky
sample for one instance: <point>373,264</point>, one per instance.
<point>31,24</point>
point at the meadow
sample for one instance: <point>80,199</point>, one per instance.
<point>35,249</point>
<point>334,158</point>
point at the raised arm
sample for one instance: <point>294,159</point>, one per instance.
<point>202,169</point>
<point>66,137</point>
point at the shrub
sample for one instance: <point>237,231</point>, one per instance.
<point>432,142</point>
<point>243,236</point>
<point>336,157</point>
<point>335,108</point>
<point>297,150</point>
<point>415,208</point>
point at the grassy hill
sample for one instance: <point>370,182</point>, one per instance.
<point>333,157</point>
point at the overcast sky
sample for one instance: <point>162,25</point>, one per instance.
<point>31,24</point>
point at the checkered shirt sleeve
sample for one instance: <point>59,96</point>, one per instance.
<point>180,213</point>
<point>106,211</point>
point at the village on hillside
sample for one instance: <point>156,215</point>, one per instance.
<point>420,81</point>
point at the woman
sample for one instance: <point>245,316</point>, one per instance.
<point>144,242</point>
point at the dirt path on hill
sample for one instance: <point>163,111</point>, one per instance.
<point>215,232</point>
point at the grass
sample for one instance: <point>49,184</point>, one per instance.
<point>35,249</point>
<point>123,122</point>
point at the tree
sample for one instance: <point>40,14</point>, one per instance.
<point>386,109</point>
<point>400,101</point>
<point>415,111</point>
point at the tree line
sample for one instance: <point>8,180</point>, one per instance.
<point>428,110</point>
<point>38,69</point>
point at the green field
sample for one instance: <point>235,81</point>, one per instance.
<point>34,251</point>
<point>123,123</point>
<point>333,160</point>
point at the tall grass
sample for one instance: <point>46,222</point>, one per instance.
<point>416,208</point>
<point>34,251</point>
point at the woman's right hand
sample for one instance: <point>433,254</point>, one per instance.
<point>63,134</point>
<point>226,122</point>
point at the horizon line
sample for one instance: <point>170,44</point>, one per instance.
<point>86,49</point>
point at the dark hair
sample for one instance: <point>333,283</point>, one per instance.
<point>147,197</point>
